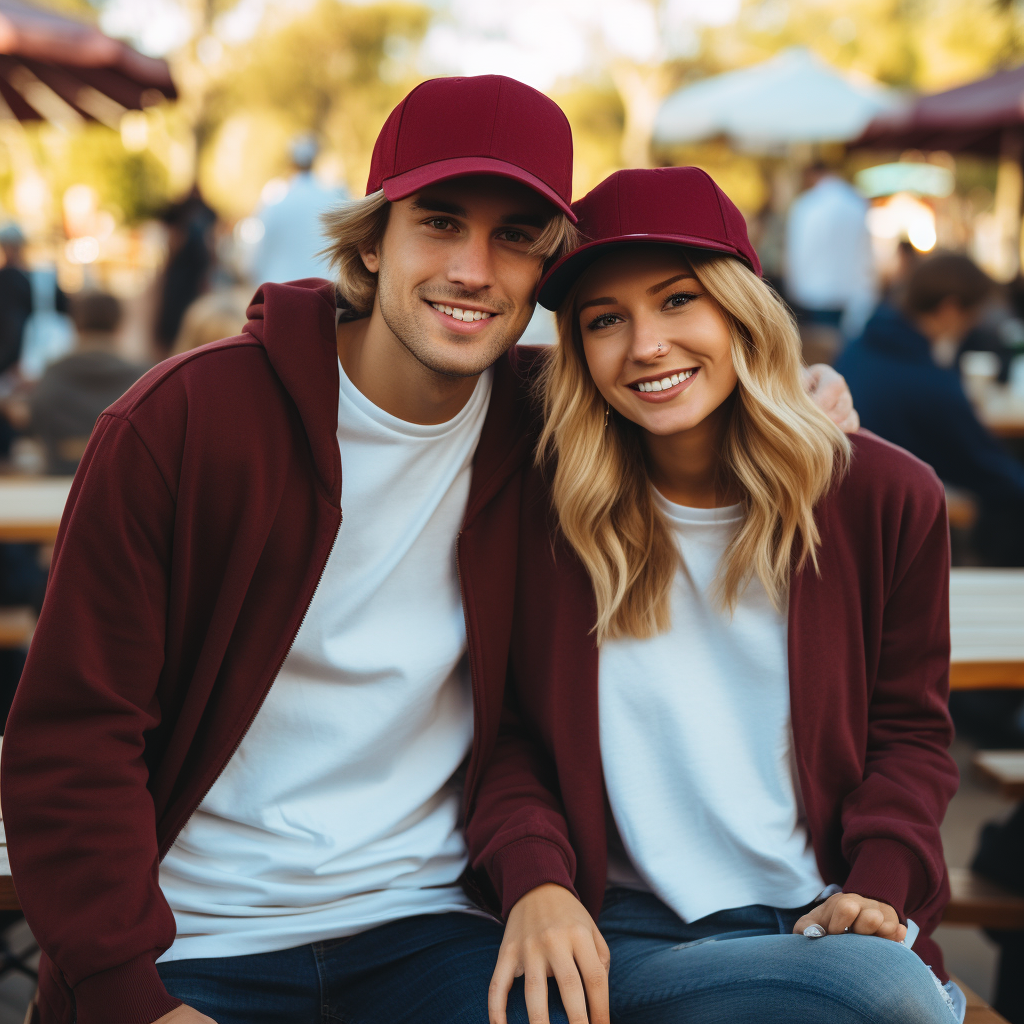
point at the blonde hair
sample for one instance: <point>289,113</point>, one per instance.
<point>359,225</point>
<point>780,449</point>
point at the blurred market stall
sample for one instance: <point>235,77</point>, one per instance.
<point>984,118</point>
<point>61,70</point>
<point>795,97</point>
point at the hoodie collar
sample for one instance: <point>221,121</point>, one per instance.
<point>295,324</point>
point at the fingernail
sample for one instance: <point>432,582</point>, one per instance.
<point>814,931</point>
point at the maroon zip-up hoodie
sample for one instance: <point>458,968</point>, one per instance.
<point>869,681</point>
<point>197,529</point>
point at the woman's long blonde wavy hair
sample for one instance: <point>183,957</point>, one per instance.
<point>781,450</point>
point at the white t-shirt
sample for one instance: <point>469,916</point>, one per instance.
<point>338,811</point>
<point>697,747</point>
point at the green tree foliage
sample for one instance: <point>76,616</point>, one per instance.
<point>132,185</point>
<point>913,44</point>
<point>335,71</point>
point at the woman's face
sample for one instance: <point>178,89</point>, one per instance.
<point>658,347</point>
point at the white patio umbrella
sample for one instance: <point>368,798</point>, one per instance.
<point>794,97</point>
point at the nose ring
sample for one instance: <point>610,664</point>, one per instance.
<point>659,346</point>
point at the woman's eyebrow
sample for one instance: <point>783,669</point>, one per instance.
<point>672,280</point>
<point>606,300</point>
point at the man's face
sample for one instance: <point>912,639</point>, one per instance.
<point>455,275</point>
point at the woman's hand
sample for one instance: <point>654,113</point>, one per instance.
<point>846,911</point>
<point>550,934</point>
<point>184,1015</point>
<point>829,392</point>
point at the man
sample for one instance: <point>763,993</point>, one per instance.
<point>290,246</point>
<point>310,828</point>
<point>906,397</point>
<point>73,391</point>
<point>829,269</point>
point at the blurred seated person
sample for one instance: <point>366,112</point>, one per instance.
<point>1000,331</point>
<point>903,395</point>
<point>211,317</point>
<point>73,391</point>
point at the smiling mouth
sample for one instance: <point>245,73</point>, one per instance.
<point>458,313</point>
<point>663,383</point>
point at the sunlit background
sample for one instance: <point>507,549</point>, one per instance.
<point>252,74</point>
<point>98,197</point>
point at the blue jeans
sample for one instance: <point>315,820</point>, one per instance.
<point>744,966</point>
<point>432,969</point>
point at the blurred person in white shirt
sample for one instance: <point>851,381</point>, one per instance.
<point>830,273</point>
<point>292,237</point>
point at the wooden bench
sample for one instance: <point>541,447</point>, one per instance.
<point>980,903</point>
<point>1002,769</point>
<point>978,1011</point>
<point>986,619</point>
<point>31,507</point>
<point>16,625</point>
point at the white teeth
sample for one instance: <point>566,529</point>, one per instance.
<point>666,382</point>
<point>466,315</point>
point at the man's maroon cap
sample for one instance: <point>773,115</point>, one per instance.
<point>487,124</point>
<point>678,205</point>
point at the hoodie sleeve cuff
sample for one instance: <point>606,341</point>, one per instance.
<point>525,864</point>
<point>890,872</point>
<point>132,993</point>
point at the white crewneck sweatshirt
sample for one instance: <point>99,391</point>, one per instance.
<point>697,747</point>
<point>338,811</point>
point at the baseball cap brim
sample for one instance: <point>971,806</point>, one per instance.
<point>555,284</point>
<point>403,185</point>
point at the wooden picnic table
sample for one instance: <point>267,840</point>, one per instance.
<point>986,612</point>
<point>31,507</point>
<point>1002,412</point>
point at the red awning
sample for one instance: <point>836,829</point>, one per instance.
<point>971,118</point>
<point>58,69</point>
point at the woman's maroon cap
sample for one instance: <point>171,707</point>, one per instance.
<point>678,205</point>
<point>487,124</point>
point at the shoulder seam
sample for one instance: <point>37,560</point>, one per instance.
<point>156,465</point>
<point>241,341</point>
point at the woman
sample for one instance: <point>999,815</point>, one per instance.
<point>726,715</point>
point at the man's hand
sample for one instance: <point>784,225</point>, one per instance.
<point>184,1015</point>
<point>550,934</point>
<point>829,392</point>
<point>846,911</point>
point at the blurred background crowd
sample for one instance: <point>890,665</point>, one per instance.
<point>161,158</point>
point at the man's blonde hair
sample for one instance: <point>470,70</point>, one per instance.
<point>779,447</point>
<point>359,225</point>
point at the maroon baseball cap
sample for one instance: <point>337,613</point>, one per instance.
<point>487,124</point>
<point>678,205</point>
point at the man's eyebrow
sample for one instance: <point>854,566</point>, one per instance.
<point>430,205</point>
<point>605,300</point>
<point>672,280</point>
<point>531,220</point>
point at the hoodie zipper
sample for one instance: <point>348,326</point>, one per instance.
<point>477,713</point>
<point>266,692</point>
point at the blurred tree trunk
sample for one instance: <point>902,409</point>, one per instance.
<point>641,89</point>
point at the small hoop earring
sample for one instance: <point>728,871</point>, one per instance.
<point>607,413</point>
